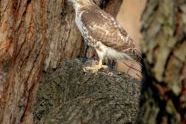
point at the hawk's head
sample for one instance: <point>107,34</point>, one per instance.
<point>80,3</point>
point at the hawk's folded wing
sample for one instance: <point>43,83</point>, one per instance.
<point>104,28</point>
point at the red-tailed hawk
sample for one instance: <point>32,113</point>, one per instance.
<point>102,32</point>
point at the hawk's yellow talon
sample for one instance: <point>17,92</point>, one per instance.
<point>95,68</point>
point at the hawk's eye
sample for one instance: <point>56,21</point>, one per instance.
<point>103,3</point>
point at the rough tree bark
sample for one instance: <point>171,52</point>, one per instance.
<point>164,47</point>
<point>33,33</point>
<point>23,48</point>
<point>68,95</point>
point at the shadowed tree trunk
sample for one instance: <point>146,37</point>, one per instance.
<point>164,47</point>
<point>34,34</point>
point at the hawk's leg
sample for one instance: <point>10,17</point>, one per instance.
<point>95,68</point>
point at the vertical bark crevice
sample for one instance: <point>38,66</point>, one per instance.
<point>26,58</point>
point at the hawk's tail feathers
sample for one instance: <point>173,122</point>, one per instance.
<point>134,53</point>
<point>127,54</point>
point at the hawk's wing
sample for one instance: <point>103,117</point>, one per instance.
<point>104,28</point>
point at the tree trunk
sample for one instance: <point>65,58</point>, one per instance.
<point>34,34</point>
<point>164,90</point>
<point>68,95</point>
